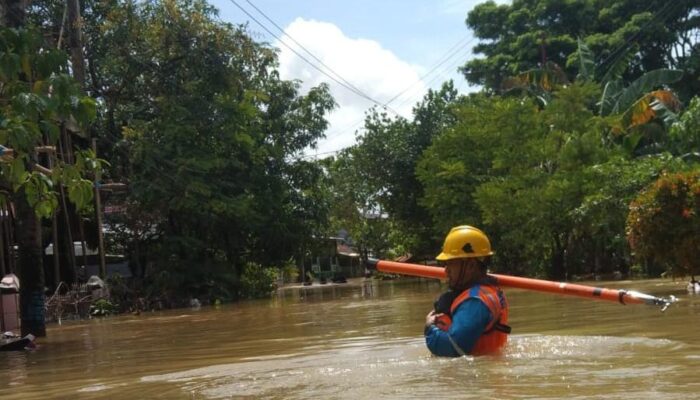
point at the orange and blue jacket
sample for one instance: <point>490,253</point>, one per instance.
<point>474,324</point>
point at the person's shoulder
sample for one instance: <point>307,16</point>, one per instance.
<point>472,303</point>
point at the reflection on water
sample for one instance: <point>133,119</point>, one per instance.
<point>364,340</point>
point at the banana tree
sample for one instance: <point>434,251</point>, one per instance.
<point>636,106</point>
<point>539,82</point>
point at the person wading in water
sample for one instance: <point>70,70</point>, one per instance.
<point>471,317</point>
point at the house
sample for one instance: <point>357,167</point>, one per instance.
<point>332,259</point>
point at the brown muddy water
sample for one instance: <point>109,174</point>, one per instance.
<point>364,340</point>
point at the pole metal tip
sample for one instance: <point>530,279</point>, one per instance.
<point>665,302</point>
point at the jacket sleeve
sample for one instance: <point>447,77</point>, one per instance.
<point>468,323</point>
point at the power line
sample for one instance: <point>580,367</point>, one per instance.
<point>348,87</point>
<point>444,59</point>
<point>626,43</point>
<point>448,55</point>
<point>284,32</point>
<point>444,72</point>
<point>454,63</point>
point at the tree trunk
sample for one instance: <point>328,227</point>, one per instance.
<point>75,41</point>
<point>28,231</point>
<point>558,271</point>
<point>31,268</point>
<point>12,12</point>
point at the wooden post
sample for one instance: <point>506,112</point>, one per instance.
<point>9,238</point>
<point>98,218</point>
<point>71,247</point>
<point>2,241</point>
<point>82,240</point>
<point>65,151</point>
<point>54,239</point>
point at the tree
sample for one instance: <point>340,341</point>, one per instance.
<point>664,223</point>
<point>208,137</point>
<point>356,206</point>
<point>639,113</point>
<point>527,34</point>
<point>600,219</point>
<point>388,151</point>
<point>684,135</point>
<point>461,158</point>
<point>517,171</point>
<point>38,99</point>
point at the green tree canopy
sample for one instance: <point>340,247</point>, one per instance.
<point>389,150</point>
<point>208,137</point>
<point>533,179</point>
<point>526,34</point>
<point>664,223</point>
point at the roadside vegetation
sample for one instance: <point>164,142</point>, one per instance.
<point>578,155</point>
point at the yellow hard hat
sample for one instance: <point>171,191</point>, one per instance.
<point>465,241</point>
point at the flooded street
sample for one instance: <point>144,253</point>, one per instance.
<point>364,340</point>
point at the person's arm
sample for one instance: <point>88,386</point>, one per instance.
<point>468,323</point>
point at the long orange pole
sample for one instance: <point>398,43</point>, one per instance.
<point>618,295</point>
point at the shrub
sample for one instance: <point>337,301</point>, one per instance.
<point>102,307</point>
<point>257,281</point>
<point>664,223</point>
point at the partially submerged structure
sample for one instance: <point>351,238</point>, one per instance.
<point>331,259</point>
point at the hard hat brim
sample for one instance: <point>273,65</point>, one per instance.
<point>446,257</point>
<point>443,257</point>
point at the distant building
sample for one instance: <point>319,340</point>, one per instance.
<point>332,259</point>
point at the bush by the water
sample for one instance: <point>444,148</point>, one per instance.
<point>257,281</point>
<point>664,223</point>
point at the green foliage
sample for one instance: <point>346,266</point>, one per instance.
<point>524,179</point>
<point>80,190</point>
<point>208,137</point>
<point>684,136</point>
<point>39,193</point>
<point>599,220</point>
<point>37,98</point>
<point>103,307</point>
<point>383,168</point>
<point>643,85</point>
<point>664,223</point>
<point>355,203</point>
<point>638,115</point>
<point>632,36</point>
<point>290,272</point>
<point>194,116</point>
<point>464,156</point>
<point>257,281</point>
<point>586,61</point>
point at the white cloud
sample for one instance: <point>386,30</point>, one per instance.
<point>364,63</point>
<point>462,7</point>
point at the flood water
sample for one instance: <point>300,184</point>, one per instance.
<point>364,340</point>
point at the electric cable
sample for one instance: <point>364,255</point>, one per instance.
<point>358,93</point>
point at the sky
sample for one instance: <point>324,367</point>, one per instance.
<point>386,53</point>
